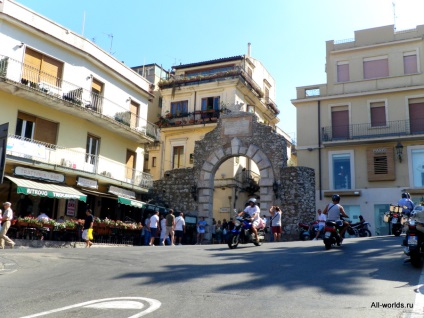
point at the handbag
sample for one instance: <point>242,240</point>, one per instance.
<point>90,234</point>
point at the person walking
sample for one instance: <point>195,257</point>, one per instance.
<point>154,227</point>
<point>275,222</point>
<point>201,229</point>
<point>6,219</point>
<point>170,224</point>
<point>180,228</point>
<point>88,227</point>
<point>163,239</point>
<point>147,234</point>
<point>321,223</point>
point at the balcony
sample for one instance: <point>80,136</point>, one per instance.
<point>200,117</point>
<point>229,73</point>
<point>30,83</point>
<point>357,132</point>
<point>74,161</point>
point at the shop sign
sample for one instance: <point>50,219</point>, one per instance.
<point>40,175</point>
<point>70,209</point>
<point>224,210</point>
<point>122,192</point>
<point>87,183</point>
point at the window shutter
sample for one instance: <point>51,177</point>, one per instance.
<point>380,164</point>
<point>51,71</point>
<point>97,86</point>
<point>45,131</point>
<point>134,109</point>
<point>32,65</point>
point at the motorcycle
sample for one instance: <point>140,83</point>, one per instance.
<point>309,232</point>
<point>243,234</point>
<point>332,235</point>
<point>415,236</point>
<point>394,217</point>
<point>359,230</point>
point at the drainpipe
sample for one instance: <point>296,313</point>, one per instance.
<point>319,151</point>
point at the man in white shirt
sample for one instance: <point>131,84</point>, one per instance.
<point>154,227</point>
<point>179,228</point>
<point>253,210</point>
<point>6,219</point>
<point>43,217</point>
<point>321,222</point>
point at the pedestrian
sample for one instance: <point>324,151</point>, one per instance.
<point>170,224</point>
<point>88,228</point>
<point>224,230</point>
<point>163,238</point>
<point>154,226</point>
<point>218,232</point>
<point>321,223</point>
<point>147,234</point>
<point>275,222</point>
<point>6,219</point>
<point>180,228</point>
<point>201,229</point>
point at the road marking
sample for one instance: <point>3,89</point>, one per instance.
<point>110,303</point>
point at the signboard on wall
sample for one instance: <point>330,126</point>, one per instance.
<point>70,208</point>
<point>4,129</point>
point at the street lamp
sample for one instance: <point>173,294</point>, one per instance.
<point>399,150</point>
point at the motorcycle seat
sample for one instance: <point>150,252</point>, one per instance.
<point>331,223</point>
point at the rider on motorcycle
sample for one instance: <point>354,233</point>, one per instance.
<point>333,212</point>
<point>405,201</point>
<point>253,210</point>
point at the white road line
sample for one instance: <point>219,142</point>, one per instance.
<point>154,304</point>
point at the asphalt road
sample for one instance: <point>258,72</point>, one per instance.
<point>290,279</point>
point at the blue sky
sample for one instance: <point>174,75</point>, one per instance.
<point>287,36</point>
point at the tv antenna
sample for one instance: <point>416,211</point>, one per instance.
<point>110,36</point>
<point>394,13</point>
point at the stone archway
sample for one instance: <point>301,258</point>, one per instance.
<point>239,134</point>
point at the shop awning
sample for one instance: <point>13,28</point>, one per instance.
<point>54,191</point>
<point>131,202</point>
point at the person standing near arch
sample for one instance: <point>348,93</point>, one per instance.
<point>6,219</point>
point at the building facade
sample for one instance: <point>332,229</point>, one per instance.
<point>77,122</point>
<point>192,101</point>
<point>363,130</point>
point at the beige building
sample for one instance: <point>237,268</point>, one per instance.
<point>363,130</point>
<point>77,122</point>
<point>193,98</point>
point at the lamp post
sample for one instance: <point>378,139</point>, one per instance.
<point>399,151</point>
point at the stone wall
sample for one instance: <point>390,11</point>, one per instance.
<point>297,199</point>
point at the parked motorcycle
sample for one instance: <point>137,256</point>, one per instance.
<point>359,229</point>
<point>243,234</point>
<point>415,236</point>
<point>332,235</point>
<point>394,217</point>
<point>309,231</point>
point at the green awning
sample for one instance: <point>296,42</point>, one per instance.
<point>131,202</point>
<point>49,190</point>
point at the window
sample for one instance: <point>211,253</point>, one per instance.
<point>410,63</point>
<point>210,103</point>
<point>341,170</point>
<point>134,113</point>
<point>376,67</point>
<point>32,127</point>
<point>416,115</point>
<point>249,72</point>
<point>191,158</point>
<point>130,164</point>
<point>179,107</point>
<point>340,122</point>
<point>380,164</point>
<point>92,150</point>
<point>97,88</point>
<point>378,114</point>
<point>153,161</point>
<point>40,68</point>
<point>178,157</point>
<point>343,72</point>
<point>417,158</point>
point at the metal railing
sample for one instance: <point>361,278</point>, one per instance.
<point>57,88</point>
<point>75,159</point>
<point>366,131</point>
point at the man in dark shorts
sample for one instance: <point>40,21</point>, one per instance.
<point>179,228</point>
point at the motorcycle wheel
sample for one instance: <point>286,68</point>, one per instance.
<point>233,241</point>
<point>365,233</point>
<point>416,260</point>
<point>327,246</point>
<point>397,232</point>
<point>306,238</point>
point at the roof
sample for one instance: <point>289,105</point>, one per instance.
<point>216,61</point>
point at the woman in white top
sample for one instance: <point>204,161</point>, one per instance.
<point>276,226</point>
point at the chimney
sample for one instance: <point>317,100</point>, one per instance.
<point>248,49</point>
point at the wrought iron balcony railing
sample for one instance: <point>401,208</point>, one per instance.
<point>75,159</point>
<point>33,78</point>
<point>367,131</point>
<point>192,118</point>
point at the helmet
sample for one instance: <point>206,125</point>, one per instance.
<point>252,200</point>
<point>361,217</point>
<point>335,198</point>
<point>404,195</point>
